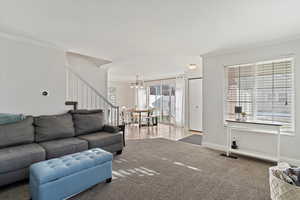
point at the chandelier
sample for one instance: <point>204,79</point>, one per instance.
<point>139,83</point>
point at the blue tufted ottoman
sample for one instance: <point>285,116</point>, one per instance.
<point>64,177</point>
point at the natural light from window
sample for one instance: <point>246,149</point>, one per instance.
<point>264,90</point>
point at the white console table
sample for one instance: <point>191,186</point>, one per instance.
<point>252,126</point>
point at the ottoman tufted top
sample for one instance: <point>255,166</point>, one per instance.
<point>49,170</point>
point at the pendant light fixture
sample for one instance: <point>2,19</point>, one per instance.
<point>192,66</point>
<point>138,84</point>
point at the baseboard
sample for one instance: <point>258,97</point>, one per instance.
<point>291,161</point>
<point>219,147</point>
<point>214,146</point>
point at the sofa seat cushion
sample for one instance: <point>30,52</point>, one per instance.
<point>19,157</point>
<point>58,148</point>
<point>53,127</point>
<point>86,122</point>
<point>102,139</point>
<point>21,132</point>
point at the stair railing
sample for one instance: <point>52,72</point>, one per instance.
<point>87,97</point>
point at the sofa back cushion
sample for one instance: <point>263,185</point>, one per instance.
<point>88,121</point>
<point>20,132</point>
<point>53,127</point>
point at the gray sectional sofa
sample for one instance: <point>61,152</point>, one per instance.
<point>40,138</point>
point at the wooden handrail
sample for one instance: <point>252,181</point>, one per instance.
<point>72,103</point>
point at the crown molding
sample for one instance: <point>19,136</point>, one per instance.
<point>247,47</point>
<point>20,36</point>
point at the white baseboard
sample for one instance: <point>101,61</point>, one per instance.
<point>219,147</point>
<point>291,161</point>
<point>214,146</point>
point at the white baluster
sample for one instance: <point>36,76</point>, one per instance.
<point>73,88</point>
<point>77,90</point>
<point>70,88</point>
<point>86,97</point>
<point>91,104</point>
<point>67,85</point>
<point>95,100</point>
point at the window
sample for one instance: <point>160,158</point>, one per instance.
<point>264,90</point>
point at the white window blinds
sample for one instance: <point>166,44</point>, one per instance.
<point>264,90</point>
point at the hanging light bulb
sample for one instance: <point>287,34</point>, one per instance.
<point>138,83</point>
<point>192,66</point>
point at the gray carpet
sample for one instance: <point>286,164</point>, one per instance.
<point>192,139</point>
<point>168,170</point>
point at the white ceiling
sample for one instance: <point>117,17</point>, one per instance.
<point>152,67</point>
<point>120,30</point>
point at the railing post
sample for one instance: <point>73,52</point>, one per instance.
<point>72,103</point>
<point>67,85</point>
<point>118,116</point>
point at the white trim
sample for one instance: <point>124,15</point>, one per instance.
<point>291,161</point>
<point>214,146</point>
<point>253,46</point>
<point>26,38</point>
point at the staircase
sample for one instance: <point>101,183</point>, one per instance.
<point>85,96</point>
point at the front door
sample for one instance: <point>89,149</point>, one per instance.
<point>195,104</point>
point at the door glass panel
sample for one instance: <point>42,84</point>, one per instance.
<point>166,102</point>
<point>155,98</point>
<point>161,97</point>
<point>172,104</point>
<point>142,98</point>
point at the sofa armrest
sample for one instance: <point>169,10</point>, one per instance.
<point>111,129</point>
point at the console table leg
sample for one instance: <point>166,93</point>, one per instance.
<point>228,140</point>
<point>278,145</point>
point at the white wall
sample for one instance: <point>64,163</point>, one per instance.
<point>213,94</point>
<point>29,66</point>
<point>89,71</point>
<point>25,70</point>
<point>124,94</point>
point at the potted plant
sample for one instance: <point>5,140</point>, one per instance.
<point>244,116</point>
